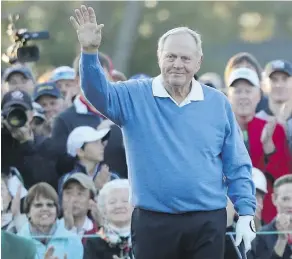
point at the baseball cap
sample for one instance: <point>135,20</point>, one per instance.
<point>278,66</point>
<point>48,88</point>
<point>82,135</point>
<point>83,179</point>
<point>22,70</point>
<point>63,73</point>
<point>17,97</point>
<point>259,180</point>
<point>246,74</point>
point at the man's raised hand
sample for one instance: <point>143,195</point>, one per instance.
<point>88,31</point>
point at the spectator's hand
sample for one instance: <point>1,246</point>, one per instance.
<point>15,204</point>
<point>285,113</point>
<point>95,212</point>
<point>22,134</point>
<point>88,31</point>
<point>68,215</point>
<point>245,231</point>
<point>50,252</point>
<point>102,177</point>
<point>267,136</point>
<point>68,99</point>
<point>282,224</point>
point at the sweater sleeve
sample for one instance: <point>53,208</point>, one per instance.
<point>237,167</point>
<point>111,99</point>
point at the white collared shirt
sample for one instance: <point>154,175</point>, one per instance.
<point>87,225</point>
<point>196,93</point>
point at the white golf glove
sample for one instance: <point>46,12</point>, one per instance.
<point>245,230</point>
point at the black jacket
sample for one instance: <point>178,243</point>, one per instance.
<point>72,118</point>
<point>97,248</point>
<point>263,245</point>
<point>33,159</point>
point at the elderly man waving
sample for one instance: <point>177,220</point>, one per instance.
<point>183,145</point>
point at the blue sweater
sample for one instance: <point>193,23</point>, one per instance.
<point>180,159</point>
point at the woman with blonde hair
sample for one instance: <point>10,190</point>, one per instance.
<point>41,208</point>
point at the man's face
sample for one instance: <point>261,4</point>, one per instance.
<point>282,199</point>
<point>68,87</point>
<point>279,85</point>
<point>179,60</point>
<point>52,105</point>
<point>76,195</point>
<point>18,81</point>
<point>93,151</point>
<point>244,97</point>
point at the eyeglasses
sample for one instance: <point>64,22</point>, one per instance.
<point>41,205</point>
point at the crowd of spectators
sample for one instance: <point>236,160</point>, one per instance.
<point>64,172</point>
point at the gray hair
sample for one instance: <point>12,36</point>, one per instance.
<point>106,189</point>
<point>180,30</point>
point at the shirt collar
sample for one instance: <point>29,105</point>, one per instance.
<point>79,106</point>
<point>196,93</point>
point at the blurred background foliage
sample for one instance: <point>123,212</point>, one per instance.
<point>132,29</point>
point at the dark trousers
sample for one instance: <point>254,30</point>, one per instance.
<point>191,235</point>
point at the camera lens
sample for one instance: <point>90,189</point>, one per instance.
<point>16,117</point>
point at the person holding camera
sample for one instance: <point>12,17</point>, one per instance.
<point>21,148</point>
<point>19,77</point>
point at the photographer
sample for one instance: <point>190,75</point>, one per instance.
<point>21,148</point>
<point>19,77</point>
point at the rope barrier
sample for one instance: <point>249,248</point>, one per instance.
<point>227,233</point>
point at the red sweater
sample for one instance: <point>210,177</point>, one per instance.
<point>278,163</point>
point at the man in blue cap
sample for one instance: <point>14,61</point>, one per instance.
<point>19,78</point>
<point>50,98</point>
<point>278,84</point>
<point>65,79</point>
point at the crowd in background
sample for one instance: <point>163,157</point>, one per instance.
<point>64,172</point>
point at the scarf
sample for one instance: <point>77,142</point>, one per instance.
<point>117,237</point>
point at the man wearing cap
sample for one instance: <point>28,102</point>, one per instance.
<point>278,84</point>
<point>78,195</point>
<point>50,98</point>
<point>81,113</point>
<point>65,79</point>
<point>19,78</point>
<point>85,145</point>
<point>265,140</point>
<point>21,148</point>
<point>184,148</point>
